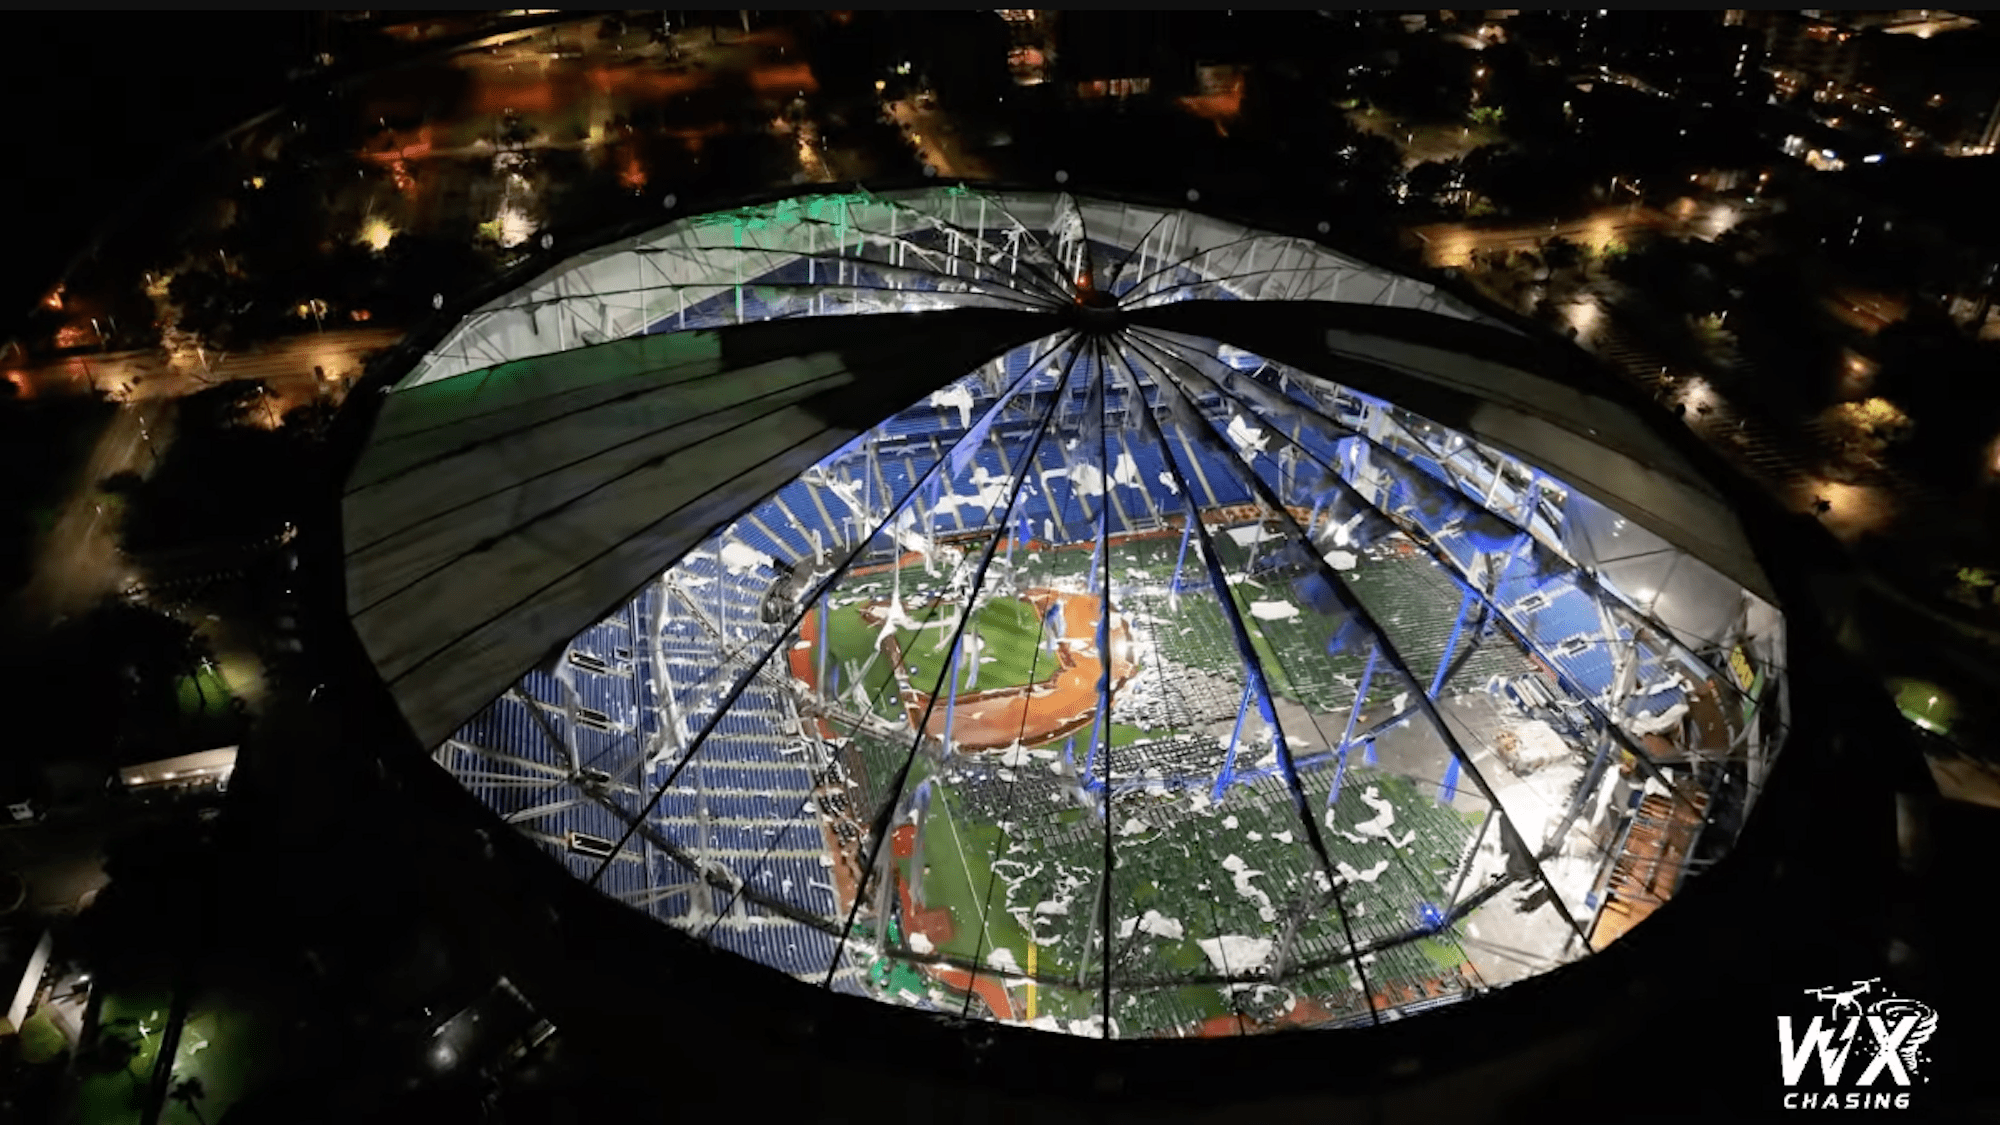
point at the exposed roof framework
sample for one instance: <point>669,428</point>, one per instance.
<point>1165,628</point>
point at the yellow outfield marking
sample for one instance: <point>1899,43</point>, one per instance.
<point>1031,977</point>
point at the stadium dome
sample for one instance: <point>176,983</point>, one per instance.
<point>1092,616</point>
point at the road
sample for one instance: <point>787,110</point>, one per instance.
<point>158,373</point>
<point>1870,312</point>
<point>78,561</point>
<point>1453,244</point>
<point>938,145</point>
<point>812,152</point>
<point>1421,143</point>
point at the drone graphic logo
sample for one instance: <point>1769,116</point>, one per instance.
<point>1888,1029</point>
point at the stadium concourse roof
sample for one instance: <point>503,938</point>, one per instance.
<point>569,440</point>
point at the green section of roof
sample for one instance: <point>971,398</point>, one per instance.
<point>525,380</point>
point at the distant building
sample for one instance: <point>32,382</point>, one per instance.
<point>205,771</point>
<point>1031,50</point>
<point>1807,53</point>
<point>1120,54</point>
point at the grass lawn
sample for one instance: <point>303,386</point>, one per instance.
<point>41,1039</point>
<point>240,672</point>
<point>224,1046</point>
<point>1923,704</point>
<point>204,695</point>
<point>227,1049</point>
<point>208,717</point>
<point>44,446</point>
<point>116,1098</point>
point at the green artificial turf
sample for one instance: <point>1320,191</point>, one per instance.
<point>1446,955</point>
<point>959,854</point>
<point>1011,632</point>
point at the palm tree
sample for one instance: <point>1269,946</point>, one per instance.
<point>188,1091</point>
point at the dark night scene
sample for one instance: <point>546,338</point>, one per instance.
<point>1021,565</point>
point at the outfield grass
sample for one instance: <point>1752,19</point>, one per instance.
<point>1185,956</point>
<point>853,643</point>
<point>1009,628</point>
<point>1274,668</point>
<point>1064,1003</point>
<point>1202,1001</point>
<point>852,639</point>
<point>1125,735</point>
<point>959,880</point>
